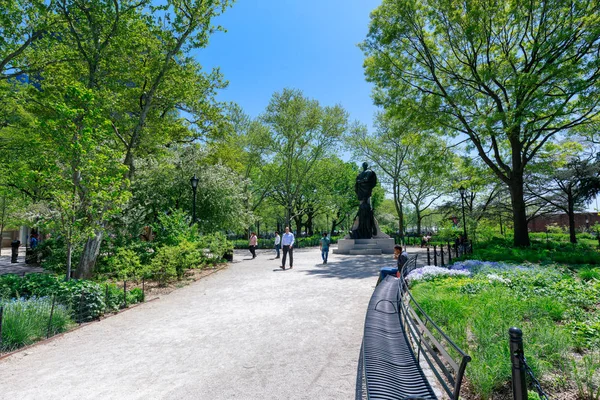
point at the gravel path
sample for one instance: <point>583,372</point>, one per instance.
<point>251,331</point>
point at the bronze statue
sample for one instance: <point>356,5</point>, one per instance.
<point>365,182</point>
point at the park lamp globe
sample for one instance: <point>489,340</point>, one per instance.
<point>462,191</point>
<point>194,181</point>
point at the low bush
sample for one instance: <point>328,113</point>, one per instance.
<point>301,242</point>
<point>539,252</point>
<point>217,246</point>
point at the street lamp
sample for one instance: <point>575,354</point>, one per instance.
<point>462,200</point>
<point>587,224</point>
<point>194,182</point>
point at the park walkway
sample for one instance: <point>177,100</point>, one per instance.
<point>251,331</point>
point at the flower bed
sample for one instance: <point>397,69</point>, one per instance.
<point>559,311</point>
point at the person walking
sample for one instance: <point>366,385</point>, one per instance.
<point>252,244</point>
<point>287,244</point>
<point>325,247</point>
<point>277,243</point>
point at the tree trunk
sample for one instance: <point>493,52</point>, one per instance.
<point>517,200</point>
<point>419,219</point>
<point>332,227</point>
<point>69,257</point>
<point>571,214</point>
<point>298,221</point>
<point>309,225</point>
<point>87,262</point>
<point>399,209</point>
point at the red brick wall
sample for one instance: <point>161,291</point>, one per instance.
<point>538,224</point>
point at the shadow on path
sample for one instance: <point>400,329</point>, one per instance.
<point>357,267</point>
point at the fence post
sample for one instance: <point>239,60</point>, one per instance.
<point>442,253</point>
<point>79,311</point>
<point>428,257</point>
<point>51,314</point>
<point>106,298</point>
<point>519,383</point>
<point>435,255</point>
<point>125,294</point>
<point>449,254</point>
<point>1,315</point>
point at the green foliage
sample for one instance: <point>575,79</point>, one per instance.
<point>27,320</point>
<point>135,295</point>
<point>556,311</point>
<point>217,245</point>
<point>171,262</point>
<point>500,249</point>
<point>166,264</point>
<point>126,264</point>
<point>586,374</point>
<point>174,227</point>
<point>301,242</point>
<point>84,298</point>
<point>455,67</point>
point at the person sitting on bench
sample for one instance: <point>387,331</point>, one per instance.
<point>401,255</point>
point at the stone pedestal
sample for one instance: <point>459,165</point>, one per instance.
<point>375,246</point>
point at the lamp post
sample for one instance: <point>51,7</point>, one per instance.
<point>194,182</point>
<point>462,201</point>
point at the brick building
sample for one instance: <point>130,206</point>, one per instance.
<point>539,224</point>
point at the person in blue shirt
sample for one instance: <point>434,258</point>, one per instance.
<point>325,247</point>
<point>287,245</point>
<point>33,241</point>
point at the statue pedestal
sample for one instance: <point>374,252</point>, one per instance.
<point>375,246</point>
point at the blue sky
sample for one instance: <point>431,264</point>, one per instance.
<point>304,44</point>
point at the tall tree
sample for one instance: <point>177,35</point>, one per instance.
<point>510,76</point>
<point>566,185</point>
<point>303,132</point>
<point>83,172</point>
<point>427,175</point>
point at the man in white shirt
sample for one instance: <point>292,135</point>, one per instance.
<point>277,243</point>
<point>287,243</point>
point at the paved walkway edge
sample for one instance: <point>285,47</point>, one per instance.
<point>48,340</point>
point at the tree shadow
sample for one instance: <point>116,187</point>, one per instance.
<point>352,267</point>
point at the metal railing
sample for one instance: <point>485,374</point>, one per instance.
<point>432,342</point>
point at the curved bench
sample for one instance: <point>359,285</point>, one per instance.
<point>398,338</point>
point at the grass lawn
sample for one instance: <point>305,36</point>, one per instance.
<point>557,309</point>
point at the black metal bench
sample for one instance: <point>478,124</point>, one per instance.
<point>399,338</point>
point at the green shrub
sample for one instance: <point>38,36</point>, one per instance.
<point>27,320</point>
<point>113,297</point>
<point>135,295</point>
<point>126,264</point>
<point>587,274</point>
<point>300,242</point>
<point>165,264</point>
<point>217,245</point>
<point>175,227</point>
<point>85,299</point>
